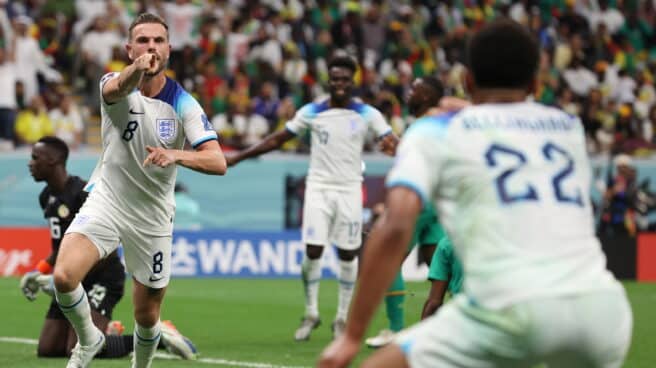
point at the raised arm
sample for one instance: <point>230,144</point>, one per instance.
<point>117,88</point>
<point>269,143</point>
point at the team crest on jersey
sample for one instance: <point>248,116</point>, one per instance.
<point>63,211</point>
<point>166,129</point>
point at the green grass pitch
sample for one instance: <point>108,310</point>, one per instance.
<point>250,323</point>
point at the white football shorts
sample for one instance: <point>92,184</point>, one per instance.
<point>147,257</point>
<point>585,330</point>
<point>333,216</point>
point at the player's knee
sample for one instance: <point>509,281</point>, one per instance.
<point>64,280</point>
<point>313,251</point>
<point>347,255</point>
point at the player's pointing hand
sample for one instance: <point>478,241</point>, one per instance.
<point>145,62</point>
<point>159,156</point>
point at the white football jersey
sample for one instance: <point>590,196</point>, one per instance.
<point>337,139</point>
<point>511,184</point>
<point>145,194</point>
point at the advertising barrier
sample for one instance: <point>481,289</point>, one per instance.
<point>206,253</point>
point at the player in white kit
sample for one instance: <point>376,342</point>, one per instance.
<point>146,118</point>
<point>332,211</point>
<point>511,182</point>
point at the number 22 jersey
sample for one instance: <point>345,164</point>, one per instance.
<point>511,184</point>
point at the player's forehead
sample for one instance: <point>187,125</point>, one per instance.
<point>40,149</point>
<point>149,30</point>
<point>340,72</point>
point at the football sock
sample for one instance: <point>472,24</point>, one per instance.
<point>348,272</point>
<point>145,344</point>
<point>394,299</point>
<point>311,274</point>
<point>75,307</point>
<point>117,346</point>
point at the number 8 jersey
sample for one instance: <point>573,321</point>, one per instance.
<point>511,184</point>
<point>144,195</point>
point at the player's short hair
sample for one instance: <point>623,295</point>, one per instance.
<point>147,18</point>
<point>434,84</point>
<point>57,145</point>
<point>343,61</point>
<point>503,54</point>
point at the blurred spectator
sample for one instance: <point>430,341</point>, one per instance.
<point>579,78</point>
<point>180,15</point>
<point>67,121</point>
<point>30,60</point>
<point>96,53</point>
<point>33,123</point>
<point>618,216</point>
<point>8,95</point>
<point>266,104</point>
<point>611,17</point>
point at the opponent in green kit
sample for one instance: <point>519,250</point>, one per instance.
<point>425,93</point>
<point>445,274</point>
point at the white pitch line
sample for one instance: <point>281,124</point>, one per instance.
<point>214,361</point>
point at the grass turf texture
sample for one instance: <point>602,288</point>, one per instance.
<point>253,321</point>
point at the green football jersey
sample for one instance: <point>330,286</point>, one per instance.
<point>445,266</point>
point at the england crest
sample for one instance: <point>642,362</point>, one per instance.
<point>166,129</point>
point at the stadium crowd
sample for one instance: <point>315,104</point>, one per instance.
<point>253,63</point>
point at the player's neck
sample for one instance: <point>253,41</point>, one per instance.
<point>340,103</point>
<point>57,182</point>
<point>498,95</point>
<point>152,86</point>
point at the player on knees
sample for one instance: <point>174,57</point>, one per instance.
<point>60,201</point>
<point>511,181</point>
<point>332,212</point>
<point>445,274</point>
<point>146,118</point>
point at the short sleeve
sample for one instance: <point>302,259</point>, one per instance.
<point>440,268</point>
<point>197,126</point>
<point>301,120</point>
<point>377,122</point>
<point>105,78</point>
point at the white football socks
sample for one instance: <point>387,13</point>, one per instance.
<point>348,272</point>
<point>311,274</point>
<point>145,344</point>
<point>75,307</point>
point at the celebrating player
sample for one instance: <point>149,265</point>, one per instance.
<point>332,212</point>
<point>60,200</point>
<point>145,120</point>
<point>511,182</point>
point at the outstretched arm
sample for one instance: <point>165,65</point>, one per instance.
<point>384,253</point>
<point>269,143</point>
<point>129,78</point>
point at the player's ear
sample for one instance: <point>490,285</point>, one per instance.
<point>128,50</point>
